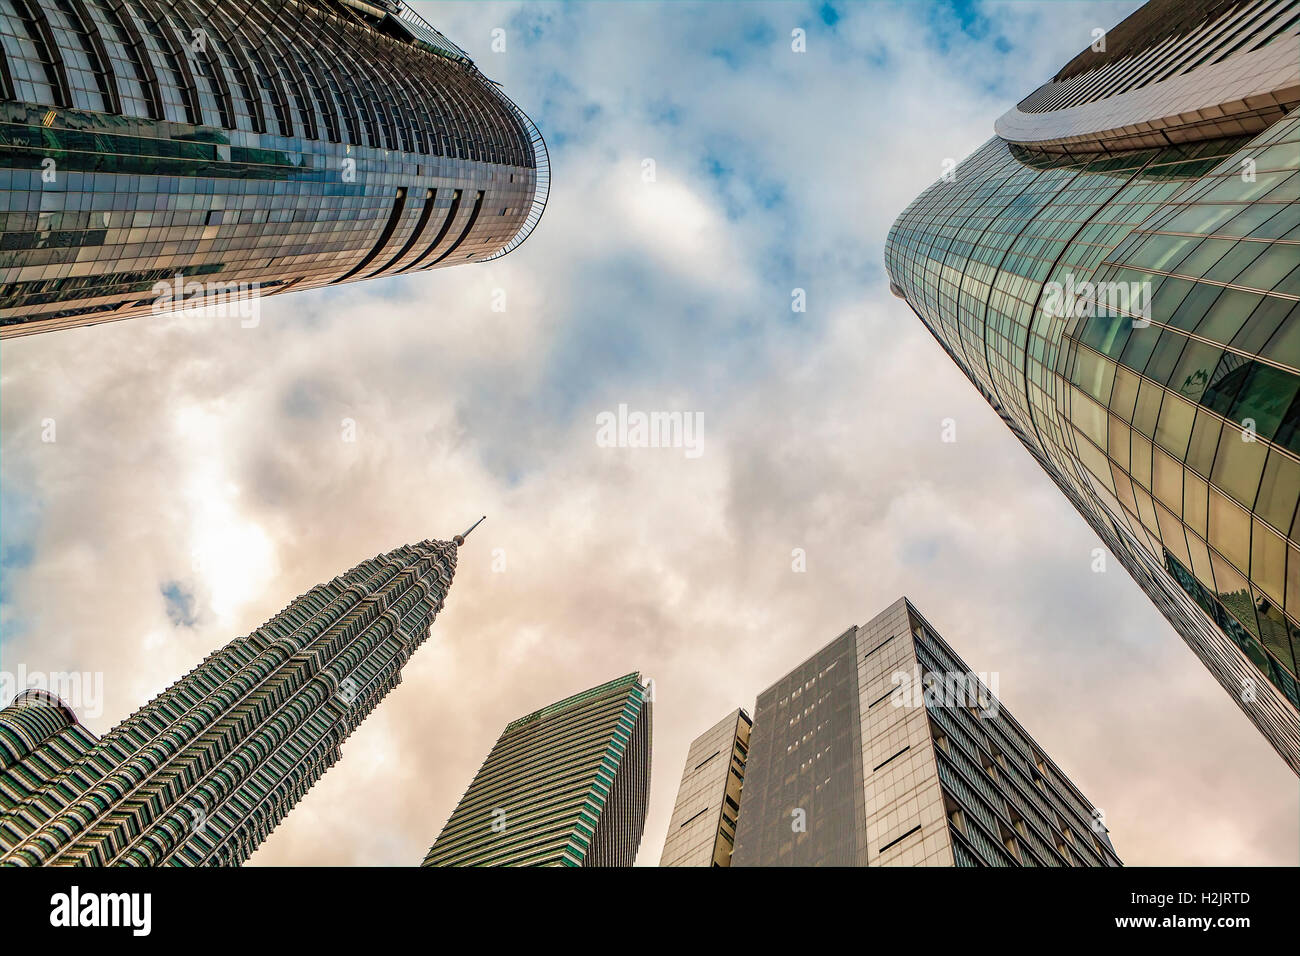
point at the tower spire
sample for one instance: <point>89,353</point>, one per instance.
<point>459,539</point>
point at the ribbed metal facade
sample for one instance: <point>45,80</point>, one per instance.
<point>567,785</point>
<point>1166,40</point>
<point>885,749</point>
<point>1134,317</point>
<point>202,773</point>
<point>278,144</point>
<point>702,830</point>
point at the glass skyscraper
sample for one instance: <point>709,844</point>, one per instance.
<point>885,749</point>
<point>203,772</point>
<point>248,147</point>
<point>567,785</point>
<point>702,831</point>
<point>1118,273</point>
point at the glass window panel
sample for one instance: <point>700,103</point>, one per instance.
<point>1238,259</point>
<point>1141,462</point>
<point>1262,324</point>
<point>1268,561</point>
<point>1278,226</point>
<point>1205,441</point>
<point>1292,578</point>
<point>1192,373</point>
<point>1270,267</point>
<point>1289,285</point>
<point>1123,489</point>
<point>1229,529</point>
<point>1174,427</point>
<point>1124,394</point>
<point>1226,382</point>
<point>1168,297</point>
<point>1107,333</point>
<point>1200,556</point>
<point>1249,219</point>
<point>1235,595</point>
<point>1265,396</point>
<point>1200,220</point>
<point>1168,481</point>
<point>1192,309</point>
<point>1279,490</point>
<point>1138,349</point>
<point>1229,313</point>
<point>1094,374</point>
<point>1119,442</point>
<point>1148,408</point>
<point>1196,502</point>
<point>1090,417</point>
<point>1203,258</point>
<point>1158,252</point>
<point>1239,466</point>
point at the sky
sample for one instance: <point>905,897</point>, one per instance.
<point>200,479</point>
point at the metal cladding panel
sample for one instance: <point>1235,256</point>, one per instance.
<point>803,802</point>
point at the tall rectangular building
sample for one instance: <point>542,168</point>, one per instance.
<point>804,802</point>
<point>567,785</point>
<point>885,749</point>
<point>1116,271</point>
<point>702,831</point>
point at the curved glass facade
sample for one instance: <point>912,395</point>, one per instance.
<point>275,143</point>
<point>1135,320</point>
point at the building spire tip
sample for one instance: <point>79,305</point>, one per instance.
<point>459,539</point>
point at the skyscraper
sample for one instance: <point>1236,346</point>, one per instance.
<point>203,772</point>
<point>248,147</point>
<point>885,749</point>
<point>567,785</point>
<point>702,830</point>
<point>1117,272</point>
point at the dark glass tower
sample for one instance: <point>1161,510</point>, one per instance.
<point>203,772</point>
<point>253,146</point>
<point>885,749</point>
<point>567,785</point>
<point>1118,272</point>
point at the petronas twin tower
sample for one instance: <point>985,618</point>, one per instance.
<point>205,771</point>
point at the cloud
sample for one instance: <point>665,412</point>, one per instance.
<point>210,459</point>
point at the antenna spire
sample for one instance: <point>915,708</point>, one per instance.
<point>459,539</point>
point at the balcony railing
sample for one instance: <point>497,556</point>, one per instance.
<point>542,158</point>
<point>423,30</point>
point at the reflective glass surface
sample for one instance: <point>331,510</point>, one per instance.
<point>1133,318</point>
<point>242,142</point>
